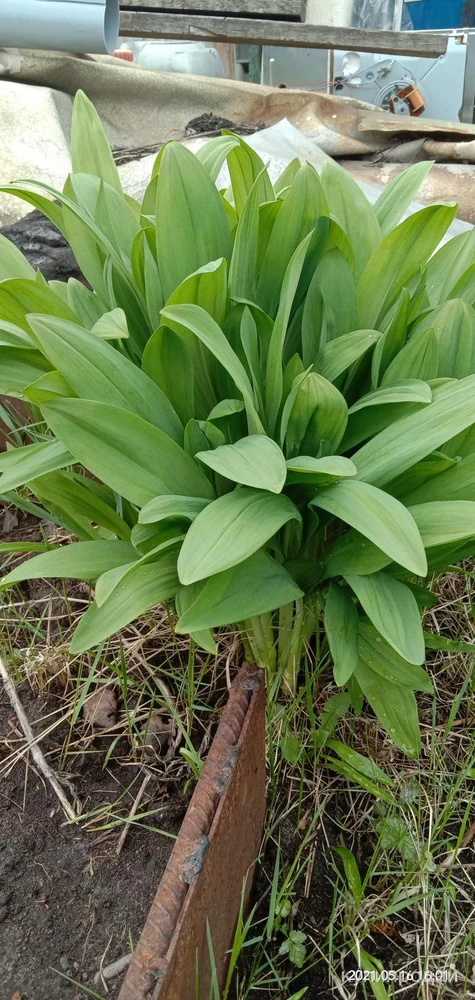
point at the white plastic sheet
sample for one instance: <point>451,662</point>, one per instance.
<point>378,14</point>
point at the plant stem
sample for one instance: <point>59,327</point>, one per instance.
<point>292,663</point>
<point>260,637</point>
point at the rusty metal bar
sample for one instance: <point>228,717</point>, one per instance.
<point>214,853</point>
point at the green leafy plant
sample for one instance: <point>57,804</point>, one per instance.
<point>272,390</point>
<point>294,946</point>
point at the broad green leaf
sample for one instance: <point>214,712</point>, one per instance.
<point>147,537</point>
<point>384,660</point>
<point>70,493</point>
<point>341,627</point>
<point>86,305</point>
<point>145,273</point>
<point>328,423</point>
<point>339,354</point>
<point>116,219</point>
<point>331,308</point>
<point>243,270</point>
<point>441,523</point>
<point>91,155</point>
<point>254,587</point>
<point>433,641</point>
<point>393,610</point>
<point>184,598</point>
<point>254,461</point>
<point>408,391</point>
<point>299,406</point>
<point>288,175</point>
<point>424,597</point>
<point>97,371</point>
<point>111,326</point>
<point>19,368</point>
<point>47,387</point>
<point>245,168</point>
<point>305,469</point>
<point>443,526</point>
<point>304,202</point>
<point>359,762</point>
<point>168,363</point>
<point>231,529</point>
<point>454,326</point>
<point>395,708</point>
<point>77,561</point>
<point>419,359</point>
<point>13,264</point>
<point>133,457</point>
<point>226,408</point>
<point>448,265</point>
<point>353,210</point>
<point>333,710</point>
<point>454,483</point>
<point>186,185</point>
<point>421,473</point>
<point>410,439</point>
<point>87,244</point>
<point>22,547</point>
<point>213,154</point>
<point>290,747</point>
<point>354,776</point>
<point>465,287</point>
<point>20,465</point>
<point>352,874</point>
<point>21,296</point>
<point>398,257</point>
<point>274,375</point>
<point>13,336</point>
<point>378,516</point>
<point>396,197</point>
<point>161,508</point>
<point>110,581</point>
<point>205,287</point>
<point>255,351</point>
<point>196,320</point>
<point>393,339</point>
<point>381,408</point>
<point>142,588</point>
<point>353,554</point>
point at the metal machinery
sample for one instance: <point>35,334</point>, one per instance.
<point>442,88</point>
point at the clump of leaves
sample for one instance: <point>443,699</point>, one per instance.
<point>294,946</point>
<point>272,389</point>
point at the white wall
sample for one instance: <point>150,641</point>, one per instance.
<point>335,12</point>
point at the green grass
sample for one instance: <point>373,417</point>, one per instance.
<point>401,892</point>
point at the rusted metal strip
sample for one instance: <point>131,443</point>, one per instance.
<point>214,853</point>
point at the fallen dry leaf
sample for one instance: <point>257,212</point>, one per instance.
<point>16,996</point>
<point>387,928</point>
<point>100,710</point>
<point>158,733</point>
<point>10,521</point>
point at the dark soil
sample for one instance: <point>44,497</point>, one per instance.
<point>43,246</point>
<point>67,902</point>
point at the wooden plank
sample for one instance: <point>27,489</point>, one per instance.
<point>257,32</point>
<point>284,10</point>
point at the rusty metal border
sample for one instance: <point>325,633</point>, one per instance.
<point>178,913</point>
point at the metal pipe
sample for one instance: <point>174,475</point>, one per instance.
<point>60,25</point>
